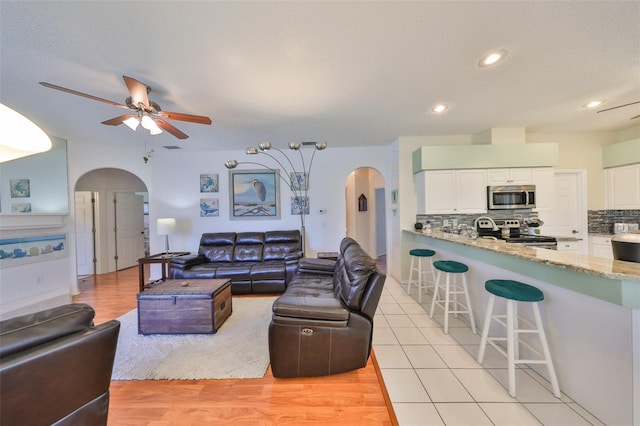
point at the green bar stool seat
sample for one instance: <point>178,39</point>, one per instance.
<point>452,288</point>
<point>515,292</point>
<point>422,270</point>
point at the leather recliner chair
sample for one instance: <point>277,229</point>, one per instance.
<point>323,323</point>
<point>55,367</point>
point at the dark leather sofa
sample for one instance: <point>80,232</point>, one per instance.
<point>55,367</point>
<point>255,262</point>
<point>323,323</point>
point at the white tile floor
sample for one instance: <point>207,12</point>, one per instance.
<point>434,379</point>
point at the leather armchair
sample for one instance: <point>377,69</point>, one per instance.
<point>55,367</point>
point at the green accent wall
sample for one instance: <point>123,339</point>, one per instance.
<point>621,154</point>
<point>485,156</point>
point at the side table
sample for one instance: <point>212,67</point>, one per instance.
<point>162,258</point>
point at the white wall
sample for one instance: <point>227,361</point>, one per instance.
<point>582,150</point>
<point>40,285</point>
<point>176,180</point>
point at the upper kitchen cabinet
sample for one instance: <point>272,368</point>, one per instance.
<point>451,191</point>
<point>543,179</point>
<point>623,187</point>
<point>517,176</point>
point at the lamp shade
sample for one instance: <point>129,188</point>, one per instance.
<point>166,226</point>
<point>19,136</point>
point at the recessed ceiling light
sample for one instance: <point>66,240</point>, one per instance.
<point>493,58</point>
<point>439,108</point>
<point>593,104</point>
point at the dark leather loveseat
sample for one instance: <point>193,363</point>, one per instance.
<point>55,367</point>
<point>323,323</point>
<point>255,262</point>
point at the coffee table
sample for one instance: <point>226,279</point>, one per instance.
<point>197,306</point>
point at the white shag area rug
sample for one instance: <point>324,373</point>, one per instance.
<point>238,350</point>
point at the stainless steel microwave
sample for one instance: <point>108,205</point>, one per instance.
<point>511,197</point>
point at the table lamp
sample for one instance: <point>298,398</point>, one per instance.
<point>166,226</point>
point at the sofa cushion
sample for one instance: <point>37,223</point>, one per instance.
<point>279,244</point>
<point>268,271</point>
<point>235,271</point>
<point>217,246</point>
<point>247,253</point>
<point>310,297</point>
<point>353,270</point>
<point>25,331</point>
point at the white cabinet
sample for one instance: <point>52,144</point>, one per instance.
<point>569,246</point>
<point>600,246</point>
<point>451,191</point>
<point>543,179</point>
<point>516,176</point>
<point>623,187</point>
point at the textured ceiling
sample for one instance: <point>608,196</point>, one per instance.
<point>349,73</point>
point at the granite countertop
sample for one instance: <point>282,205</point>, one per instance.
<point>613,269</point>
<point>567,239</point>
<point>600,234</point>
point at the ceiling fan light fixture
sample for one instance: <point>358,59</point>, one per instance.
<point>149,123</point>
<point>155,131</point>
<point>132,123</point>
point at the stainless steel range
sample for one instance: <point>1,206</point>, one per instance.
<point>509,231</point>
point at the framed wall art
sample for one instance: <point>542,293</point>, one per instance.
<point>20,188</point>
<point>21,208</point>
<point>299,181</point>
<point>209,207</point>
<point>254,194</point>
<point>209,182</point>
<point>28,249</point>
<point>299,205</point>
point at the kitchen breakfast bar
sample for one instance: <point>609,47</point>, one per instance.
<point>591,314</point>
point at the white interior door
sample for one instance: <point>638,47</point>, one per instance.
<point>85,256</point>
<point>129,229</point>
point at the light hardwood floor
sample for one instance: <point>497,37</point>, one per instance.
<point>346,399</point>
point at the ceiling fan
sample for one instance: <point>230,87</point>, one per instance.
<point>624,105</point>
<point>144,112</point>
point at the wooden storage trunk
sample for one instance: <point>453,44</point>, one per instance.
<point>173,308</point>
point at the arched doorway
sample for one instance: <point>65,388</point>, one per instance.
<point>366,212</point>
<point>111,224</point>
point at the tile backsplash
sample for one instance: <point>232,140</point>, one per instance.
<point>601,221</point>
<point>438,220</point>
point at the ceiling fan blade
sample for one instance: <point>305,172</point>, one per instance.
<point>619,106</point>
<point>138,91</point>
<point>200,119</point>
<point>84,95</point>
<point>118,120</point>
<point>171,129</point>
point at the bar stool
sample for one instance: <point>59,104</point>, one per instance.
<point>421,283</point>
<point>456,269</point>
<point>513,292</point>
